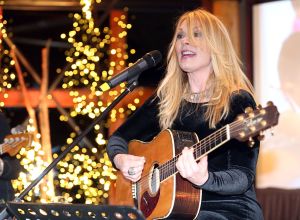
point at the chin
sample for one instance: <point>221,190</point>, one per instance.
<point>186,67</point>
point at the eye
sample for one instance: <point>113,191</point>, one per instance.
<point>197,34</point>
<point>180,35</point>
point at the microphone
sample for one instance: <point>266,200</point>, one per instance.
<point>149,60</point>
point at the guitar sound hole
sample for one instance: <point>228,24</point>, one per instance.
<point>150,197</point>
<point>154,180</point>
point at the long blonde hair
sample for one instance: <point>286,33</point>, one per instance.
<point>227,74</point>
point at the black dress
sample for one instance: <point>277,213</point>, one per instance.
<point>12,165</point>
<point>229,191</point>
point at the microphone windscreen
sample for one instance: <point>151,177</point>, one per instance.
<point>152,58</point>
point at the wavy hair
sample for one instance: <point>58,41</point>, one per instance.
<point>227,75</point>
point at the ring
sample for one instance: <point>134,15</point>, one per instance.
<point>131,171</point>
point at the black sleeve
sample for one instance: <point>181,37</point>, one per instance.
<point>4,127</point>
<point>11,168</point>
<point>239,173</point>
<point>142,125</point>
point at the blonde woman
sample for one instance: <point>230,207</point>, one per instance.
<point>203,90</point>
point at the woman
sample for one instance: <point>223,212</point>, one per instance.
<point>204,89</point>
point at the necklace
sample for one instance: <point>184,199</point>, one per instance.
<point>197,97</point>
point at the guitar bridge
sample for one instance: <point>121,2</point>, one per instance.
<point>134,194</point>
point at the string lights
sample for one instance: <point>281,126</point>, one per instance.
<point>85,175</point>
<point>8,75</point>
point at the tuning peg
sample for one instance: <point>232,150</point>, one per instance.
<point>242,134</point>
<point>270,103</point>
<point>252,128</point>
<point>262,111</point>
<point>263,123</point>
<point>241,117</point>
<point>261,136</point>
<point>251,142</point>
<point>248,110</point>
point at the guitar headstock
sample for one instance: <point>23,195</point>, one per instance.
<point>253,122</point>
<point>14,142</point>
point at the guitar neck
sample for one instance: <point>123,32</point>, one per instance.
<point>211,142</point>
<point>246,126</point>
<point>202,148</point>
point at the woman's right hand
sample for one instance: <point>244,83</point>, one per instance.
<point>131,166</point>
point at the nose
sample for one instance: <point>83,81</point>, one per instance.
<point>186,40</point>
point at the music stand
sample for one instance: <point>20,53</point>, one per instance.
<point>2,205</point>
<point>63,211</point>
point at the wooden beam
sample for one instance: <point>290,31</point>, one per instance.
<point>229,12</point>
<point>44,122</point>
<point>15,97</point>
<point>42,4</point>
<point>117,45</point>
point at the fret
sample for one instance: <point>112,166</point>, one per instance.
<point>202,147</point>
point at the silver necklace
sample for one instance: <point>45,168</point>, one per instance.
<point>197,97</point>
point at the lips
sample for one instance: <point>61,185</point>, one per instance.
<point>187,53</point>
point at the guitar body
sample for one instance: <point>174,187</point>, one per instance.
<point>174,197</point>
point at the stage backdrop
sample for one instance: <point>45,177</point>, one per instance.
<point>276,29</point>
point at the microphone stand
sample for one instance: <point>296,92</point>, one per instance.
<point>132,84</point>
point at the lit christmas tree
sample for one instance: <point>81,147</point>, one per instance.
<point>85,175</point>
<point>8,76</point>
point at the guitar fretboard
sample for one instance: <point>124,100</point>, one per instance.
<point>201,148</point>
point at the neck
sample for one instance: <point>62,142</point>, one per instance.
<point>198,79</point>
<point>197,82</point>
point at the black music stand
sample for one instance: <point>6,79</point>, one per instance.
<point>63,211</point>
<point>2,205</point>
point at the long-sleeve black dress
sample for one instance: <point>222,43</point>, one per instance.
<point>229,191</point>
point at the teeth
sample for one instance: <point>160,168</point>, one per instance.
<point>187,53</point>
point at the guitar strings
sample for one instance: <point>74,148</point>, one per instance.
<point>7,146</point>
<point>171,163</point>
<point>15,142</point>
<point>201,145</point>
<point>166,167</point>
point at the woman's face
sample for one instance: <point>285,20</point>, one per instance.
<point>192,57</point>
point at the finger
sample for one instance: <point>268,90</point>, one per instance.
<point>138,170</point>
<point>137,158</point>
<point>135,177</point>
<point>189,161</point>
<point>184,157</point>
<point>180,166</point>
<point>203,161</point>
<point>137,161</point>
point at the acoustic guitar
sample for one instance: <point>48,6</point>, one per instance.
<point>162,192</point>
<point>14,142</point>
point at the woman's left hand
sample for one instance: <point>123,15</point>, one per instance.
<point>196,173</point>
